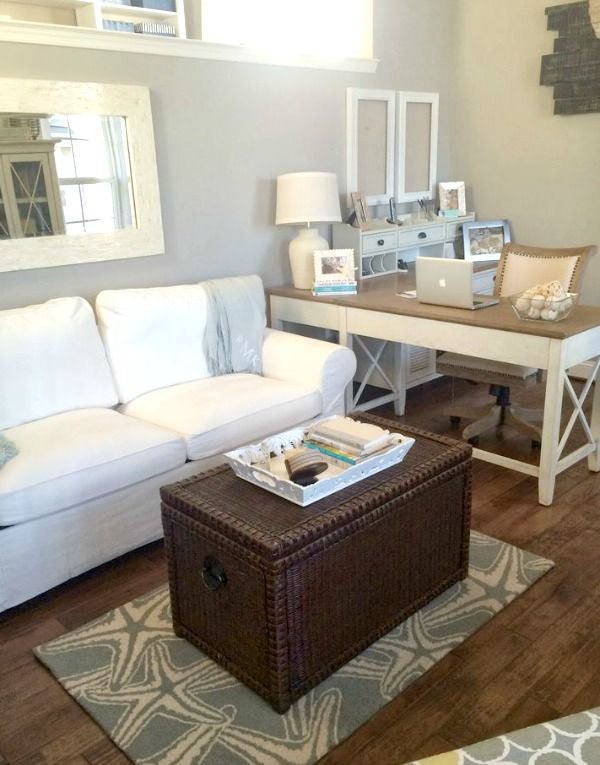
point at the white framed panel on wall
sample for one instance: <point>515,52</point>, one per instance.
<point>417,117</point>
<point>370,144</point>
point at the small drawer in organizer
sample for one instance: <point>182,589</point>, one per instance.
<point>379,242</point>
<point>425,235</point>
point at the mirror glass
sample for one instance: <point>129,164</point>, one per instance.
<point>372,142</point>
<point>64,174</point>
<point>418,148</point>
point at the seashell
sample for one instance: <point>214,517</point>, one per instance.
<point>537,301</point>
<point>533,312</point>
<point>555,289</point>
<point>522,304</point>
<point>548,314</point>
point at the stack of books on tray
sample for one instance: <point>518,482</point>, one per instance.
<point>347,440</point>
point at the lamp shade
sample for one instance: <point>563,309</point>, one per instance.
<point>307,198</point>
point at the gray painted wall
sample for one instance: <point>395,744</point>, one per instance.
<point>224,131</point>
<point>519,160</point>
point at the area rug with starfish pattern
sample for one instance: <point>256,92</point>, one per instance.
<point>163,702</point>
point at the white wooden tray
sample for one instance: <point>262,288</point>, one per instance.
<point>252,464</point>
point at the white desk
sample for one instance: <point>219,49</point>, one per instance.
<point>493,333</point>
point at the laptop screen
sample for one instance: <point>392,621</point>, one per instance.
<point>445,281</point>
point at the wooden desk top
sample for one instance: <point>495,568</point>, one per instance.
<point>382,294</point>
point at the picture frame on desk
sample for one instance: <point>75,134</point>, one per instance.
<point>484,240</point>
<point>361,208</point>
<point>452,199</point>
<point>334,266</point>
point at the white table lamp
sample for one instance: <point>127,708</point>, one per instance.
<point>305,198</point>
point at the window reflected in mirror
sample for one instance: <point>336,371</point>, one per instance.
<point>64,174</point>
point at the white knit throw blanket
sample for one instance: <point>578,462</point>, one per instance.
<point>8,450</point>
<point>235,324</point>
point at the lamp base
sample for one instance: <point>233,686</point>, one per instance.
<point>302,249</point>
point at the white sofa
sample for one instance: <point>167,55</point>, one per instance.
<point>104,414</point>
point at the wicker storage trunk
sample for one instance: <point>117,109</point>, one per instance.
<point>282,595</point>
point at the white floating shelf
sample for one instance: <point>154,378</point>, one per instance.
<point>133,11</point>
<point>68,5</point>
<point>82,37</point>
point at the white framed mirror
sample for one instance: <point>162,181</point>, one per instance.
<point>78,175</point>
<point>416,151</point>
<point>370,132</point>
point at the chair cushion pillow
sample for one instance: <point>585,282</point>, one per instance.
<point>447,362</point>
<point>73,457</point>
<point>154,337</point>
<point>51,360</point>
<point>522,270</point>
<point>221,413</point>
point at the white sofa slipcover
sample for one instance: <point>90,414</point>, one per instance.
<point>96,439</point>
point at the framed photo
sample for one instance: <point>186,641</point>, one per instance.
<point>334,266</point>
<point>484,240</point>
<point>452,198</point>
<point>361,208</point>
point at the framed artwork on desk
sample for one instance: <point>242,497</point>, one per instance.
<point>361,208</point>
<point>484,240</point>
<point>334,266</point>
<point>452,199</point>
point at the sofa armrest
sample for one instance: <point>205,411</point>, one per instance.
<point>325,366</point>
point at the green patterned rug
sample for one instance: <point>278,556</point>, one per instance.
<point>573,740</point>
<point>164,703</point>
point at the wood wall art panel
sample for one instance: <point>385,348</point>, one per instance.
<point>573,69</point>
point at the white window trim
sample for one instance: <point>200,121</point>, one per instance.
<point>99,39</point>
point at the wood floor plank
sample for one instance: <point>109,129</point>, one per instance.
<point>563,682</point>
<point>518,679</point>
<point>105,753</point>
<point>52,715</point>
<point>67,747</point>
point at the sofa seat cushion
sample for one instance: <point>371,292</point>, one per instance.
<point>216,414</point>
<point>76,456</point>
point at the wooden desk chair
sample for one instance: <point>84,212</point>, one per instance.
<point>519,268</point>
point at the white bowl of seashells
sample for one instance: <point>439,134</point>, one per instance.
<point>544,302</point>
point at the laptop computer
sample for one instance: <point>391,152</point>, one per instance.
<point>445,281</point>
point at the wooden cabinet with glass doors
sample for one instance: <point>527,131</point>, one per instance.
<point>29,193</point>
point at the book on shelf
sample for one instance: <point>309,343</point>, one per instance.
<point>162,30</point>
<point>118,26</point>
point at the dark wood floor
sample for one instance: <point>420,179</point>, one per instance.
<point>537,660</point>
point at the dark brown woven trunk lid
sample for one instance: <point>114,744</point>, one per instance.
<point>282,595</point>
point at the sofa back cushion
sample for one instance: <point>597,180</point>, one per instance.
<point>51,360</point>
<point>154,337</point>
